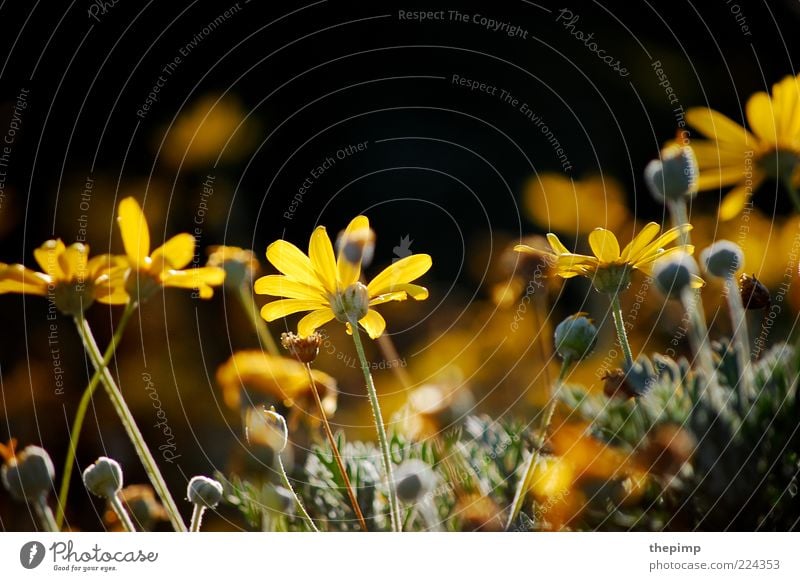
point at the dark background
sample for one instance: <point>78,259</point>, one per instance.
<point>312,80</point>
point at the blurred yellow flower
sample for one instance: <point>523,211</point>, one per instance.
<point>610,268</point>
<point>574,207</point>
<point>330,288</point>
<point>281,379</point>
<point>74,279</point>
<point>240,265</point>
<point>733,156</point>
<point>210,128</point>
<point>164,267</point>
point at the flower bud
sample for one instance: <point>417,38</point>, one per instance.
<point>722,259</point>
<point>103,478</point>
<point>674,273</point>
<point>304,349</point>
<point>674,176</point>
<point>204,491</point>
<point>266,428</point>
<point>413,480</point>
<point>357,246</point>
<point>351,304</point>
<point>240,265</point>
<point>28,476</point>
<point>575,337</point>
<point>754,294</point>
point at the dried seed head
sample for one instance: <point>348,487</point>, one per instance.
<point>204,491</point>
<point>304,349</point>
<point>28,476</point>
<point>635,382</point>
<point>754,294</point>
<point>668,448</point>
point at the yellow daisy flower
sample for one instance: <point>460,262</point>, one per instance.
<point>330,287</point>
<point>610,268</point>
<point>74,280</point>
<point>733,156</point>
<point>164,266</point>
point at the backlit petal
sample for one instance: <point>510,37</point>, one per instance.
<point>349,272</point>
<point>176,252</point>
<point>373,323</point>
<point>734,202</point>
<point>604,245</point>
<point>278,285</point>
<point>556,244</point>
<point>401,272</point>
<point>717,126</point>
<point>74,260</point>
<point>388,297</point>
<point>291,261</point>
<point>285,307</point>
<point>761,117</point>
<point>645,236</point>
<point>313,321</point>
<point>134,230</point>
<point>320,251</point>
<point>15,278</point>
<point>47,258</point>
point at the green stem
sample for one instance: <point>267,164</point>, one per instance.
<point>80,414</point>
<point>394,504</point>
<point>45,515</point>
<point>122,514</point>
<point>129,423</point>
<point>622,335</point>
<point>197,518</point>
<point>533,459</point>
<point>335,451</point>
<point>701,347</point>
<point>259,324</point>
<point>290,488</point>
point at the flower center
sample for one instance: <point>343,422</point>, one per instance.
<point>779,164</point>
<point>351,304</point>
<point>73,297</point>
<point>612,278</point>
<point>141,285</point>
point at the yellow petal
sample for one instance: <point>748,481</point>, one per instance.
<point>403,271</point>
<point>15,278</point>
<point>697,282</point>
<point>556,244</point>
<point>734,202</point>
<point>285,307</point>
<point>717,126</point>
<point>74,260</point>
<point>761,117</point>
<point>47,258</point>
<point>176,253</point>
<point>111,295</point>
<point>388,297</point>
<point>415,291</point>
<point>313,321</point>
<point>291,261</point>
<point>604,245</point>
<point>350,272</point>
<point>134,230</point>
<point>645,236</point>
<point>194,278</point>
<point>666,238</point>
<point>278,285</point>
<point>715,178</point>
<point>644,263</point>
<point>320,251</point>
<point>373,323</point>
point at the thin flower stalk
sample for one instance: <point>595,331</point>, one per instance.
<point>80,414</point>
<point>740,339</point>
<point>619,325</point>
<point>287,483</point>
<point>530,465</point>
<point>129,423</point>
<point>122,514</point>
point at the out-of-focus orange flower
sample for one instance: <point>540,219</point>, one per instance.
<point>210,128</point>
<point>280,379</point>
<point>573,207</point>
